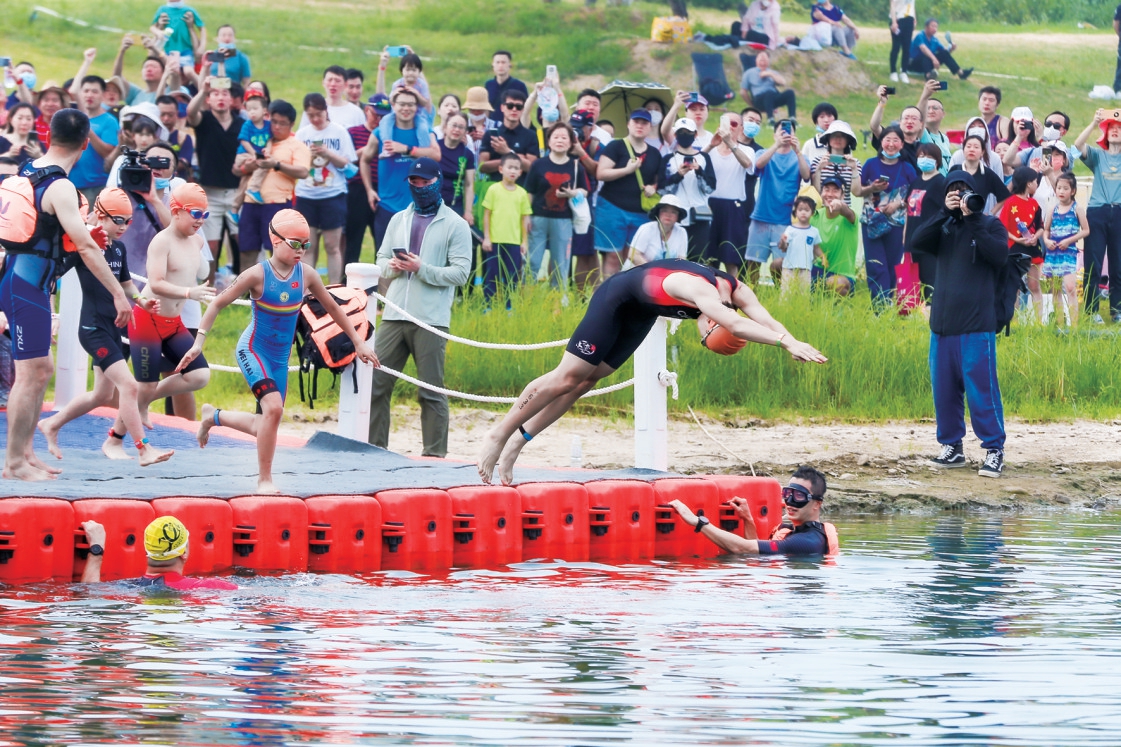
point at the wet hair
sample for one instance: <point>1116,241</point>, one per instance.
<point>168,147</point>
<point>284,109</point>
<point>589,92</point>
<point>824,108</point>
<point>70,128</point>
<point>97,79</point>
<point>338,70</point>
<point>930,150</point>
<point>315,101</point>
<point>353,73</point>
<point>509,157</point>
<point>412,59</point>
<point>813,477</point>
<point>989,89</point>
<point>804,200</point>
<point>1021,178</point>
<point>1070,179</point>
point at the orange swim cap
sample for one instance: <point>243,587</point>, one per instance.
<point>113,202</point>
<point>289,224</point>
<point>718,339</point>
<point>188,197</point>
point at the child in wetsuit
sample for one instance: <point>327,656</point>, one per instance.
<point>276,287</point>
<point>101,338</point>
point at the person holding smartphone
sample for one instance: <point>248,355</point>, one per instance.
<point>838,161</point>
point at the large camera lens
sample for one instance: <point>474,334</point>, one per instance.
<point>973,201</point>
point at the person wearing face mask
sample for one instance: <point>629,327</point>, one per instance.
<point>688,174</point>
<point>976,127</point>
<point>657,111</point>
<point>911,121</point>
<point>1055,126</point>
<point>752,124</point>
<point>427,250</point>
<point>924,202</point>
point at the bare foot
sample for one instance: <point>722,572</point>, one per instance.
<point>265,487</point>
<point>205,424</point>
<point>151,455</point>
<point>49,428</point>
<point>492,449</point>
<point>145,418</point>
<point>26,472</point>
<point>114,448</point>
<point>510,455</point>
<point>37,463</point>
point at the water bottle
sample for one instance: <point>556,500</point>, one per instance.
<point>576,459</point>
<point>548,101</point>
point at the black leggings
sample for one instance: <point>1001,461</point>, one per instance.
<point>901,42</point>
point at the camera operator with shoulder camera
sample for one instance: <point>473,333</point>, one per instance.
<point>971,251</point>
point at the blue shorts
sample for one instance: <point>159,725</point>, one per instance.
<point>1060,262</point>
<point>27,304</point>
<point>324,215</point>
<point>762,241</point>
<point>254,224</point>
<point>615,227</point>
<point>264,369</point>
<point>818,275</point>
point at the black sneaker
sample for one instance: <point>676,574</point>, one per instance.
<point>965,73</point>
<point>952,456</point>
<point>993,465</point>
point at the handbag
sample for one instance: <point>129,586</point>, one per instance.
<point>648,202</point>
<point>581,210</point>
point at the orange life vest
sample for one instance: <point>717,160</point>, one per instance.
<point>783,530</point>
<point>322,343</point>
<point>24,228</point>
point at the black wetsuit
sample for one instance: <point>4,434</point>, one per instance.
<point>98,332</point>
<point>624,308</point>
<point>805,539</point>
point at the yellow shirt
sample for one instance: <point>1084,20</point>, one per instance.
<point>506,208</point>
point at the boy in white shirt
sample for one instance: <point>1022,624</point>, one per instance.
<point>802,243</point>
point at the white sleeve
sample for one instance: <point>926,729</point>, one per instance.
<point>678,246</point>
<point>645,241</point>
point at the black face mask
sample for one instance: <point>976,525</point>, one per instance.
<point>427,200</point>
<point>685,139</point>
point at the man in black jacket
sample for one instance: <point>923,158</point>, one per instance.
<point>970,249</point>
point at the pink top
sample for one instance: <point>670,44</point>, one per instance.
<point>764,19</point>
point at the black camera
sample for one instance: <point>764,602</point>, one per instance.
<point>136,171</point>
<point>973,201</point>
<point>889,90</point>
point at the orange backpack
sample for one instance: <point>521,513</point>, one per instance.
<point>24,229</point>
<point>322,344</point>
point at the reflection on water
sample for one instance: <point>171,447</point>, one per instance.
<point>941,630</point>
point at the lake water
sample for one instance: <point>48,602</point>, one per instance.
<point>939,630</point>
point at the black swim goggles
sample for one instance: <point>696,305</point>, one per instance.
<point>797,496</point>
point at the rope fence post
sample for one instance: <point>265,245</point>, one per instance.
<point>651,444</point>
<point>71,361</point>
<point>354,407</point>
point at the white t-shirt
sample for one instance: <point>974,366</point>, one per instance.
<point>730,173</point>
<point>800,243</point>
<point>648,241</point>
<point>346,116</point>
<point>325,179</point>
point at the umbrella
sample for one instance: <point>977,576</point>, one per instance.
<point>621,97</point>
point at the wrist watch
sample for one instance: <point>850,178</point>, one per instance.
<point>702,522</point>
<point>276,166</point>
<point>96,550</point>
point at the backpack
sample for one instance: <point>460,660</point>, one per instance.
<point>322,344</point>
<point>23,228</point>
<point>1009,285</point>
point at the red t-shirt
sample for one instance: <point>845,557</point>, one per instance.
<point>1024,210</point>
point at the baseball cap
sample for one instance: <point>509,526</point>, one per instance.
<point>685,124</point>
<point>165,538</point>
<point>380,102</point>
<point>425,168</point>
<point>1021,114</point>
<point>700,100</point>
<point>642,114</point>
<point>833,179</point>
<point>581,118</point>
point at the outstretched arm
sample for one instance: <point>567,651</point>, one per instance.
<point>252,281</point>
<point>726,541</point>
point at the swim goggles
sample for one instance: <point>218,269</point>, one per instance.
<point>199,214</point>
<point>797,496</point>
<point>296,244</point>
<point>120,220</point>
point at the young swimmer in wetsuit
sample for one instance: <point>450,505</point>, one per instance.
<point>101,338</point>
<point>176,273</point>
<point>618,318</point>
<point>276,287</point>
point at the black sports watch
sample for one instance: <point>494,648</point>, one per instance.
<point>96,550</point>
<point>702,522</point>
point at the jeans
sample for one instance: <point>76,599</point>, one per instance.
<point>901,43</point>
<point>555,234</point>
<point>1104,240</point>
<point>881,255</point>
<point>920,63</point>
<point>394,343</point>
<point>502,263</point>
<point>768,101</point>
<point>966,364</point>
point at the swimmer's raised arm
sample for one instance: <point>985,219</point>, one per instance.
<point>726,541</point>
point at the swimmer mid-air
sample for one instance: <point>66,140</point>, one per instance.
<point>619,316</point>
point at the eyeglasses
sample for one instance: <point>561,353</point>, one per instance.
<point>199,214</point>
<point>296,244</point>
<point>797,496</point>
<point>513,106</point>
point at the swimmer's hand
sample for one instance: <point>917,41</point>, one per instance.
<point>803,351</point>
<point>97,233</point>
<point>743,512</point>
<point>366,354</point>
<point>202,293</point>
<point>193,352</point>
<point>95,533</point>
<point>151,305</point>
<point>684,512</point>
<point>124,309</point>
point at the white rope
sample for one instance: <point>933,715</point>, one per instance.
<point>464,340</point>
<point>218,366</point>
<point>497,400</point>
<point>717,441</point>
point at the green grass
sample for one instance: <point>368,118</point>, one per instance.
<point>877,367</point>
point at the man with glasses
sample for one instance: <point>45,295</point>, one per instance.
<point>509,137</point>
<point>802,531</point>
<point>935,112</point>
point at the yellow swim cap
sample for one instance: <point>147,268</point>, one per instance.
<point>165,538</point>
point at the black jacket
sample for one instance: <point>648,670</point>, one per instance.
<point>970,251</point>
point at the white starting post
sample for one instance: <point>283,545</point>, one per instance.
<point>651,437</point>
<point>72,364</point>
<point>354,407</point>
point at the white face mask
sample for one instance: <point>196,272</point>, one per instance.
<point>655,117</point>
<point>978,131</point>
<point>1050,133</point>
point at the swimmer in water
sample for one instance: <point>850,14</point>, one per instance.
<point>620,314</point>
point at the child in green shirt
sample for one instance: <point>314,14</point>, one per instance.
<point>506,215</point>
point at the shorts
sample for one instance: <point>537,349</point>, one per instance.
<point>818,275</point>
<point>326,214</point>
<point>27,305</point>
<point>1060,262</point>
<point>762,241</point>
<point>220,204</point>
<point>103,342</point>
<point>584,244</point>
<point>727,238</point>
<point>264,370</point>
<point>154,339</point>
<point>615,227</point>
<point>613,326</point>
<point>254,225</point>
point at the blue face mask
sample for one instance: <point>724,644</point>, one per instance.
<point>162,184</point>
<point>889,156</point>
<point>427,200</point>
<point>820,130</point>
<point>926,164</point>
<point>750,129</point>
<point>30,80</point>
<point>181,110</point>
<point>226,46</point>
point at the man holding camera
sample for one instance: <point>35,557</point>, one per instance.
<point>971,250</point>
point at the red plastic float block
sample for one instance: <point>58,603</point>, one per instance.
<point>674,538</point>
<point>553,521</point>
<point>344,533</point>
<point>486,526</point>
<point>270,533</point>
<point>124,522</point>
<point>210,524</point>
<point>621,518</point>
<point>36,540</point>
<point>416,530</point>
<point>763,494</point>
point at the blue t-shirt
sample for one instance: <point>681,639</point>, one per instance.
<point>90,169</point>
<point>180,40</point>
<point>778,186</point>
<point>237,67</point>
<point>258,136</point>
<point>833,14</point>
<point>921,41</point>
<point>393,172</point>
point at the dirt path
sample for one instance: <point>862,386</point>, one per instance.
<point>872,467</point>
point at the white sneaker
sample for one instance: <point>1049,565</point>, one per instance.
<point>903,77</point>
<point>894,77</point>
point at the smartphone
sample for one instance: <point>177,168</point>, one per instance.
<point>400,253</point>
<point>689,158</point>
<point>889,90</point>
<point>694,97</point>
<point>220,84</point>
<point>215,57</point>
<point>883,180</point>
<point>839,160</point>
<point>1047,151</point>
<point>787,126</point>
<point>397,51</point>
<point>550,71</point>
<point>943,85</point>
<point>5,61</point>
